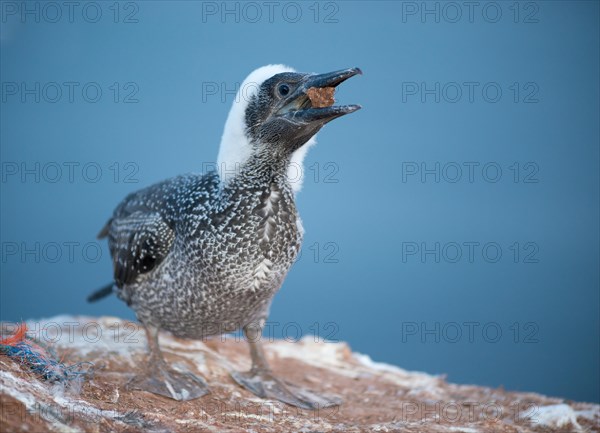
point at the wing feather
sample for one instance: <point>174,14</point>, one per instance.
<point>138,243</point>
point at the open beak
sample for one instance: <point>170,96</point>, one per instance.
<point>298,108</point>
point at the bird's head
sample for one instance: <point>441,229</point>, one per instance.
<point>273,115</point>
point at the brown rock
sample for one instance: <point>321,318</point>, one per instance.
<point>377,397</point>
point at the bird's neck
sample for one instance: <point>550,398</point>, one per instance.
<point>261,169</point>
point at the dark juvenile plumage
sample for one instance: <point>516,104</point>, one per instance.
<point>199,255</point>
<point>197,258</point>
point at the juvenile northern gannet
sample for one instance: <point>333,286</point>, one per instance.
<point>202,255</point>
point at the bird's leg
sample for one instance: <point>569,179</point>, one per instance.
<point>260,380</point>
<point>159,379</point>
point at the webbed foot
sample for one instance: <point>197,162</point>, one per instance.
<point>170,383</point>
<point>159,378</point>
<point>263,384</point>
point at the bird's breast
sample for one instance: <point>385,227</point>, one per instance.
<point>255,239</point>
<point>277,238</point>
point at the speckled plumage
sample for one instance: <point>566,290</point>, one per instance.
<point>220,252</point>
<point>200,255</point>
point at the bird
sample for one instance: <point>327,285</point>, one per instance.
<point>200,255</point>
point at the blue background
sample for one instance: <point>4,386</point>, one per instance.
<point>363,209</point>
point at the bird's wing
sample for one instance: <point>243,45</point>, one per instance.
<point>138,242</point>
<point>141,231</point>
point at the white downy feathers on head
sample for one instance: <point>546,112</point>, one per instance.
<point>235,148</point>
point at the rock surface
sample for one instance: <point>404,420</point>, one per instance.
<point>377,397</point>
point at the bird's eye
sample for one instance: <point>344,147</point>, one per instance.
<point>283,89</point>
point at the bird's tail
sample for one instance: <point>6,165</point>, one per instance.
<point>101,293</point>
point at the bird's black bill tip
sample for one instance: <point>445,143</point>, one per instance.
<point>321,115</point>
<point>332,79</point>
